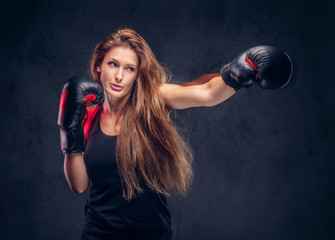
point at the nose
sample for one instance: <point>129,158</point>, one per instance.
<point>118,75</point>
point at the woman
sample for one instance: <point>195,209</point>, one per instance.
<point>133,154</point>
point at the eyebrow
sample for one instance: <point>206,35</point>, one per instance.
<point>128,64</point>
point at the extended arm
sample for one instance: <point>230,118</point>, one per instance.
<point>207,90</point>
<point>266,66</point>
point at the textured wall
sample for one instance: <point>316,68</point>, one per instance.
<point>263,159</point>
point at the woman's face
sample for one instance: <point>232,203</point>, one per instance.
<point>118,72</point>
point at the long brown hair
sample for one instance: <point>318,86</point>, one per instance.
<point>149,144</point>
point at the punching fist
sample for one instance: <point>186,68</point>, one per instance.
<point>267,66</point>
<point>76,93</point>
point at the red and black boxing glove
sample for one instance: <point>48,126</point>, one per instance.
<point>76,93</point>
<point>269,67</point>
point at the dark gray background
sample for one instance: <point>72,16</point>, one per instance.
<point>263,159</point>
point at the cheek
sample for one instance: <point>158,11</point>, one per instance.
<point>131,78</point>
<point>104,75</point>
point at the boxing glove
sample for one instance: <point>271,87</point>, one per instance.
<point>76,93</point>
<point>269,67</point>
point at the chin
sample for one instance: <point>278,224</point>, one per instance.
<point>115,94</point>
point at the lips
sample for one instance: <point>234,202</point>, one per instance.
<point>116,87</point>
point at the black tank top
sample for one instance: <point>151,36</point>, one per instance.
<point>107,213</point>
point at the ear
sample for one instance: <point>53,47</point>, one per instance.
<point>98,69</point>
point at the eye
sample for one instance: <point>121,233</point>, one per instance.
<point>112,64</point>
<point>130,69</point>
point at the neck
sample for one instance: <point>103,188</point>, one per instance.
<point>116,106</point>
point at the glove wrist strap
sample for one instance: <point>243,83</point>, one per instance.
<point>225,74</point>
<point>72,140</point>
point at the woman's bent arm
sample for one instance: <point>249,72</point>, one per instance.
<point>75,172</point>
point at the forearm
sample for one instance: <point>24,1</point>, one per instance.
<point>217,91</point>
<point>75,172</point>
<point>202,79</point>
